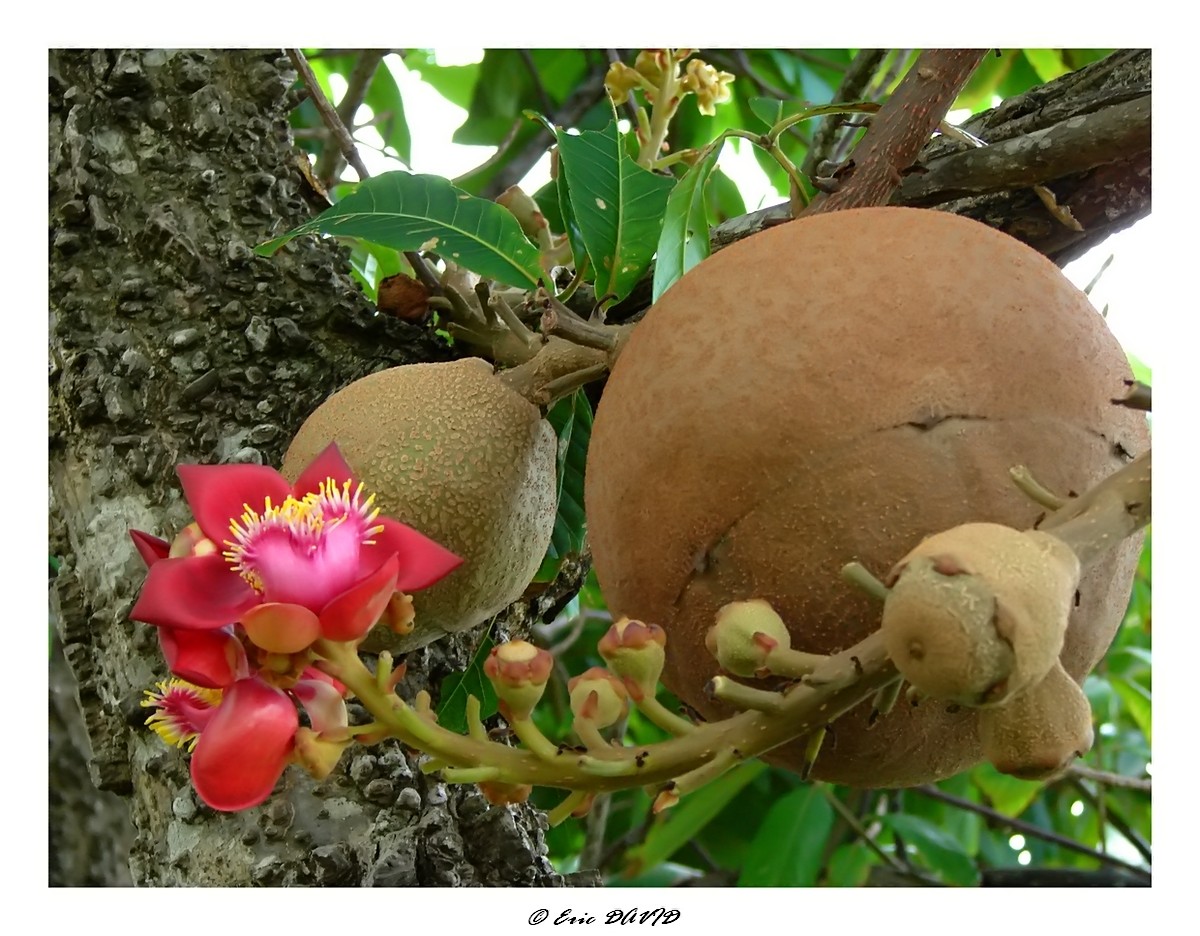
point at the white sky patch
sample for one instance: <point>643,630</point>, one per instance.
<point>432,121</point>
<point>737,161</point>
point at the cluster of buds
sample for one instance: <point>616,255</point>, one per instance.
<point>663,79</point>
<point>242,596</point>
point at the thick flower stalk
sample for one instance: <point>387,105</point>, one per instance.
<point>241,595</point>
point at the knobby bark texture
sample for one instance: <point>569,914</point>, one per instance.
<point>170,341</point>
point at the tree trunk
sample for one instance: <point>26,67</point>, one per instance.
<point>170,341</point>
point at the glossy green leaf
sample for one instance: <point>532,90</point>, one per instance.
<point>680,824</point>
<point>941,851</point>
<point>571,418</point>
<point>579,252</point>
<point>787,849</point>
<point>411,212</point>
<point>370,264</point>
<point>618,204</point>
<point>684,239</point>
<point>452,709</point>
<point>850,865</point>
<point>1006,794</point>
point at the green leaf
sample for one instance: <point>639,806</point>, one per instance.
<point>1006,794</point>
<point>1136,700</point>
<point>850,865</point>
<point>571,418</point>
<point>680,824</point>
<point>939,850</point>
<point>411,212</point>
<point>724,199</point>
<point>684,239</point>
<point>579,253</point>
<point>666,874</point>
<point>787,849</point>
<point>619,206</point>
<point>456,83</point>
<point>452,710</point>
<point>383,97</point>
<point>1047,63</point>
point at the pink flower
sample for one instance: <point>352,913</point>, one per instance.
<point>299,562</point>
<point>241,738</point>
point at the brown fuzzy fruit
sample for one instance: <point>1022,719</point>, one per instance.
<point>1037,734</point>
<point>836,389</point>
<point>454,453</point>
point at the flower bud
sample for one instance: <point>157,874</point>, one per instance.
<point>711,87</point>
<point>634,651</point>
<point>499,793</point>
<point>519,672</point>
<point>745,634</point>
<point>317,754</point>
<point>652,64</point>
<point>399,615</point>
<point>191,541</point>
<point>598,696</point>
<point>620,80</point>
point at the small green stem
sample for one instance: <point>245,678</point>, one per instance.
<point>858,575</point>
<point>744,697</point>
<point>667,720</point>
<point>793,664</point>
<point>470,774</point>
<point>475,729</point>
<point>383,670</point>
<point>531,736</point>
<point>590,735</point>
<point>564,810</point>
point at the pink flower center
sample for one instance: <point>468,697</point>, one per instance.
<point>304,552</point>
<point>181,711</point>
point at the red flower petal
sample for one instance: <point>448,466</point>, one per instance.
<point>211,659</point>
<point>311,672</point>
<point>422,561</point>
<point>243,750</point>
<point>354,612</point>
<point>324,704</point>
<point>199,592</point>
<point>218,494</point>
<point>278,627</point>
<point>150,548</point>
<point>329,464</point>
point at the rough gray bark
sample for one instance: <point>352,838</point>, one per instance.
<point>170,341</point>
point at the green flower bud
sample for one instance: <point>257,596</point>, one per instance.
<point>598,696</point>
<point>519,672</point>
<point>634,651</point>
<point>745,634</point>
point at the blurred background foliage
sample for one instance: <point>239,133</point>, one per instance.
<point>755,826</point>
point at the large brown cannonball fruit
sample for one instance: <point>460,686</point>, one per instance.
<point>836,389</point>
<point>455,453</point>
